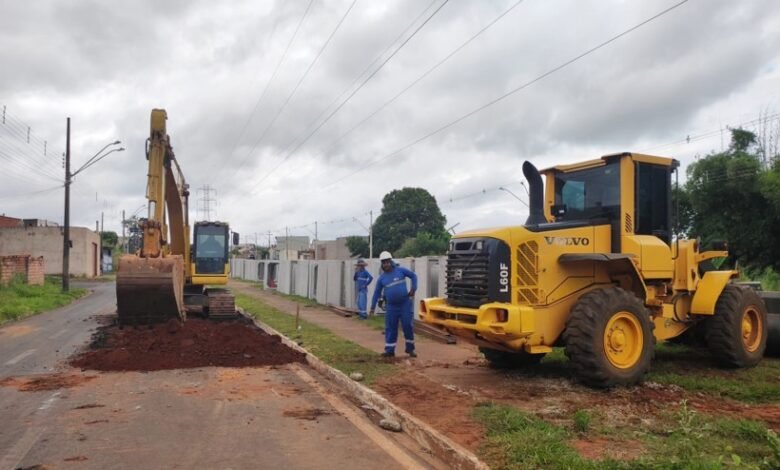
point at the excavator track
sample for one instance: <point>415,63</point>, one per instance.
<point>150,290</point>
<point>220,304</point>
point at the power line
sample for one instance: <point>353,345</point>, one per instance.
<point>33,193</point>
<point>421,77</point>
<point>341,105</point>
<point>713,133</point>
<point>23,133</point>
<point>23,166</point>
<point>361,74</point>
<point>509,93</point>
<point>271,79</point>
<point>295,89</point>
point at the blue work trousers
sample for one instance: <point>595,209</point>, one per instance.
<point>362,302</point>
<point>394,313</point>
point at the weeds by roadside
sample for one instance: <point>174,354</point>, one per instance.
<point>338,352</point>
<point>19,300</point>
<point>688,440</point>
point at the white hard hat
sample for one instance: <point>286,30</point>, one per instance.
<point>385,255</point>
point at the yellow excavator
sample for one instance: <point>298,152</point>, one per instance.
<point>596,269</point>
<point>169,275</point>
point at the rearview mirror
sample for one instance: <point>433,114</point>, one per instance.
<point>235,238</point>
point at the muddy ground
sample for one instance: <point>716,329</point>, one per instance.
<point>174,345</point>
<point>444,395</point>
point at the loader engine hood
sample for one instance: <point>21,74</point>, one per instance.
<point>478,270</point>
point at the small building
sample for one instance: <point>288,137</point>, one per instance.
<point>8,222</point>
<point>288,248</point>
<point>47,241</point>
<point>332,249</point>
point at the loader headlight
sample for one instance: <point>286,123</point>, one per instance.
<point>479,245</point>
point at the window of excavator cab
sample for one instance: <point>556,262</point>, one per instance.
<point>590,193</point>
<point>211,249</point>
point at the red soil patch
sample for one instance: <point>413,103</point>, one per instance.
<point>600,448</point>
<point>41,383</point>
<point>445,409</point>
<point>194,343</point>
<point>309,414</point>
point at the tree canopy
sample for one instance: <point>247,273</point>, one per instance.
<point>735,196</point>
<point>410,213</point>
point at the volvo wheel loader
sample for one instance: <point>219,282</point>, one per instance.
<point>595,269</point>
<point>169,275</point>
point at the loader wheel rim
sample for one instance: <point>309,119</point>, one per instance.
<point>752,329</point>
<point>623,340</point>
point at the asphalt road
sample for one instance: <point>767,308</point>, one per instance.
<point>228,418</point>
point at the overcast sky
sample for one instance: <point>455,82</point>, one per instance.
<point>246,99</point>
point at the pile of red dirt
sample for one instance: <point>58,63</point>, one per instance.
<point>174,345</point>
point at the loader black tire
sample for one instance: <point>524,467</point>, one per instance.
<point>609,338</point>
<point>737,333</point>
<point>507,360</point>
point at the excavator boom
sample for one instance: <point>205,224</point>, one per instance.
<point>150,283</point>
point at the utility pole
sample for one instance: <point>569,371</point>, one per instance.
<point>123,231</point>
<point>286,243</point>
<point>255,245</point>
<point>370,234</point>
<point>269,242</point>
<point>316,237</point>
<point>66,222</point>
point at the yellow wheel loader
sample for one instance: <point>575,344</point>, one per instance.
<point>595,269</point>
<point>169,275</point>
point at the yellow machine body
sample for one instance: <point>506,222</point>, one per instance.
<point>513,289</point>
<point>154,283</point>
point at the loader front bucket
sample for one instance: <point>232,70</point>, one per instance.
<point>150,290</point>
<point>772,301</point>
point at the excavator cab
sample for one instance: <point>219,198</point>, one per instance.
<point>210,251</point>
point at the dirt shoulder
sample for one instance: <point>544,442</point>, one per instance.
<point>445,384</point>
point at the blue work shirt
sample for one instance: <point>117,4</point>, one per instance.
<point>394,286</point>
<point>362,280</point>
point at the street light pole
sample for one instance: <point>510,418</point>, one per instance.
<point>66,219</point>
<point>514,195</point>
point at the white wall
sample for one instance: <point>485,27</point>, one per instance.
<point>330,281</point>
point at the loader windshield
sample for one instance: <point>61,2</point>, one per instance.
<point>590,193</point>
<point>210,249</point>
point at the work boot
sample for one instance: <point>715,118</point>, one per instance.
<point>412,354</point>
<point>388,354</point>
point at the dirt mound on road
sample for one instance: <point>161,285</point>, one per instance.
<point>174,345</point>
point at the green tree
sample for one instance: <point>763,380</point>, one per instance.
<point>728,196</point>
<point>406,213</point>
<point>358,246</point>
<point>109,239</point>
<point>424,244</point>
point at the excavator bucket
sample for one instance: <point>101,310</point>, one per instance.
<point>150,290</point>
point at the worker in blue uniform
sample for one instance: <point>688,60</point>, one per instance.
<point>398,303</point>
<point>362,280</point>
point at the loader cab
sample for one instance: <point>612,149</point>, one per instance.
<point>629,191</point>
<point>210,248</point>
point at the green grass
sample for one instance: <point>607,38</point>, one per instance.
<point>336,351</point>
<point>519,440</point>
<point>19,300</point>
<point>695,370</point>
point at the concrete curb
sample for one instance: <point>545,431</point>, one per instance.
<point>439,445</point>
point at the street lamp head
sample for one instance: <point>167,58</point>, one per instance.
<point>117,142</point>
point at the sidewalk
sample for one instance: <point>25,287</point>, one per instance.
<point>358,332</point>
